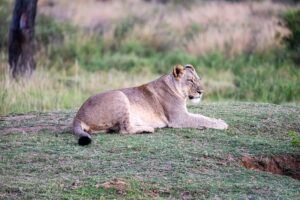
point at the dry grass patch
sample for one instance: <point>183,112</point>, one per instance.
<point>232,28</point>
<point>201,28</point>
<point>47,90</point>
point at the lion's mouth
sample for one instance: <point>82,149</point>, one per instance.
<point>194,97</point>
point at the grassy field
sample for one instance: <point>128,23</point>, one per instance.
<point>237,48</point>
<point>242,50</point>
<point>40,159</point>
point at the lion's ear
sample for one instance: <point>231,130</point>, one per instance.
<point>178,71</point>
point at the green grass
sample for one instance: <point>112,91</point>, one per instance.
<point>179,163</point>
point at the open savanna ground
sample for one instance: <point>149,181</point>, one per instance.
<point>244,51</point>
<point>40,159</point>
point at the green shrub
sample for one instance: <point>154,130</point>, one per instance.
<point>258,77</point>
<point>267,84</point>
<point>163,62</point>
<point>124,62</point>
<point>5,16</point>
<point>292,41</point>
<point>295,138</point>
<point>50,32</point>
<point>85,49</point>
<point>192,30</point>
<point>125,26</point>
<point>136,47</point>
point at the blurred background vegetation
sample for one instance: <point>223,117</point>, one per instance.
<point>243,50</point>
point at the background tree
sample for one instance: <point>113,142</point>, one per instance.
<point>20,42</point>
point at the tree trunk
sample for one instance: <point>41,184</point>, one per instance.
<point>20,42</point>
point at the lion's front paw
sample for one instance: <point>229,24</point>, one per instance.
<point>220,124</point>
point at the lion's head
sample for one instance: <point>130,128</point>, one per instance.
<point>188,82</point>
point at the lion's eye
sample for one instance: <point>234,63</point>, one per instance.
<point>191,80</point>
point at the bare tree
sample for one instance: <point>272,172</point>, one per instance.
<point>20,42</point>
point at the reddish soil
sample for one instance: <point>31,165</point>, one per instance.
<point>117,184</point>
<point>288,165</point>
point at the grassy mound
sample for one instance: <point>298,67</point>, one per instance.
<point>40,159</point>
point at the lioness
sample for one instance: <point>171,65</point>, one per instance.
<point>158,104</point>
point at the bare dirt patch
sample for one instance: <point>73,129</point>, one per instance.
<point>288,165</point>
<point>117,184</point>
<point>16,118</point>
<point>34,123</point>
<point>34,129</point>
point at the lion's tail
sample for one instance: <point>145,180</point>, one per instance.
<point>84,137</point>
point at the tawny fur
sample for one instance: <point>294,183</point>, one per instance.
<point>158,104</point>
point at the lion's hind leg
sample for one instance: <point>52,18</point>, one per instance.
<point>127,127</point>
<point>141,129</point>
<point>137,130</point>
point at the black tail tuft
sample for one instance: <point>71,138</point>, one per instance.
<point>84,140</point>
